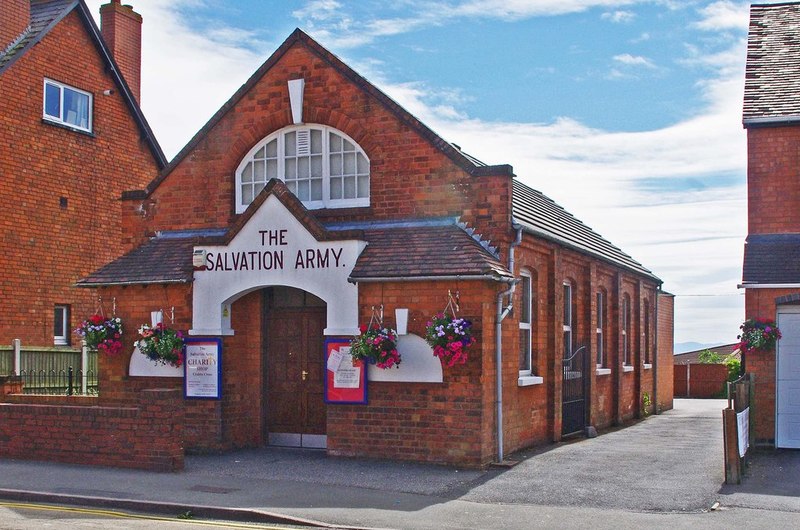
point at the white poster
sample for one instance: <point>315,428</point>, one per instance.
<point>202,369</point>
<point>347,376</point>
<point>743,428</point>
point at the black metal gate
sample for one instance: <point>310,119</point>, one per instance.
<point>573,392</point>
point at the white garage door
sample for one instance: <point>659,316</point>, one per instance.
<point>788,376</point>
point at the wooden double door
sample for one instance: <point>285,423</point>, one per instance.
<point>294,407</point>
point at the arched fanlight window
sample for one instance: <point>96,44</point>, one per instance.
<point>321,165</point>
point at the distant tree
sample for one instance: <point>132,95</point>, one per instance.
<point>710,357</point>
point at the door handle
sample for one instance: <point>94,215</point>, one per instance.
<point>304,375</point>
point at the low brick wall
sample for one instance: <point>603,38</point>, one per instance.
<point>148,434</point>
<point>700,380</point>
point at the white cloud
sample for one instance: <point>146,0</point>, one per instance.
<point>619,17</point>
<point>724,15</point>
<point>634,60</point>
<point>329,30</point>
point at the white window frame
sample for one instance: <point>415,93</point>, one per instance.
<point>526,328</point>
<point>61,340</point>
<point>326,201</point>
<point>60,119</point>
<point>626,320</point>
<point>646,333</point>
<point>567,316</point>
<point>600,359</point>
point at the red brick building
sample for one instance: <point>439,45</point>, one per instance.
<point>771,272</point>
<point>311,198</point>
<point>311,203</point>
<point>72,139</point>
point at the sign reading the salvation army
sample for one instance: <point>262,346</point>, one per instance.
<point>345,377</point>
<point>203,368</point>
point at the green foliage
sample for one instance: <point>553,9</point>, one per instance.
<point>646,404</point>
<point>710,357</point>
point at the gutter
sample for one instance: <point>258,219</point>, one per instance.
<point>502,313</point>
<point>130,282</point>
<point>770,121</point>
<point>490,277</point>
<point>768,286</point>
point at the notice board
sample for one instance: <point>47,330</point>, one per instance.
<point>202,368</point>
<point>345,378</point>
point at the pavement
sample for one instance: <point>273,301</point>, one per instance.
<point>665,471</point>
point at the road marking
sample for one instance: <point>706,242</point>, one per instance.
<point>123,515</point>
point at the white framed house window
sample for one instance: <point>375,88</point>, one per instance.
<point>61,325</point>
<point>67,105</point>
<point>321,165</point>
<point>526,325</point>
<point>646,336</point>
<point>568,323</point>
<point>600,345</point>
<point>626,331</point>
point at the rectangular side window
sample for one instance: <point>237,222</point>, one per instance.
<point>526,327</point>
<point>61,325</point>
<point>601,315</point>
<point>567,320</point>
<point>68,106</point>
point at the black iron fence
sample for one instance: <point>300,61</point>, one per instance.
<point>69,382</point>
<point>60,370</point>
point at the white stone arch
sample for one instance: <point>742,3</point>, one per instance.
<point>272,249</point>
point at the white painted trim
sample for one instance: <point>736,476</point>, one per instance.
<point>769,286</point>
<point>296,87</point>
<point>60,119</point>
<point>213,332</point>
<point>529,380</point>
<point>627,368</point>
<point>602,371</point>
<point>648,366</point>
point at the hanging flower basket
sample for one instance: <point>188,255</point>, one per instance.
<point>161,344</point>
<point>449,336</point>
<point>758,334</point>
<point>101,334</point>
<point>376,346</point>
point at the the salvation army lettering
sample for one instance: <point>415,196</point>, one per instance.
<point>275,248</point>
<point>274,257</point>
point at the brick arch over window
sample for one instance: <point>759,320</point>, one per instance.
<point>793,299</point>
<point>321,165</point>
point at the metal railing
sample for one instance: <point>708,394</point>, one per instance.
<point>59,382</point>
<point>51,370</point>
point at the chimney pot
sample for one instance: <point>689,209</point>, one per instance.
<point>121,27</point>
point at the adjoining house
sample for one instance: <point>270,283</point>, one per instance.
<point>72,139</point>
<point>771,272</point>
<point>312,204</point>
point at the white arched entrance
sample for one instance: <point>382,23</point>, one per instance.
<point>273,248</point>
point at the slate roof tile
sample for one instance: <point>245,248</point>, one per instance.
<point>771,259</point>
<point>540,215</point>
<point>445,250</point>
<point>772,72</point>
<point>159,260</point>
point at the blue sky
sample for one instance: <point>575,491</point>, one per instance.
<point>627,113</point>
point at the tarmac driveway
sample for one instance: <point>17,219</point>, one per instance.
<point>672,462</point>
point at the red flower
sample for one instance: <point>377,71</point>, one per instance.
<point>96,319</point>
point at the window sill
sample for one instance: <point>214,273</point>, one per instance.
<point>68,127</point>
<point>647,366</point>
<point>529,380</point>
<point>602,371</point>
<point>627,368</point>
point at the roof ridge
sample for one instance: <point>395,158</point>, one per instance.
<point>465,162</point>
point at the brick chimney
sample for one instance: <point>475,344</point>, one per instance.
<point>15,16</point>
<point>121,27</point>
